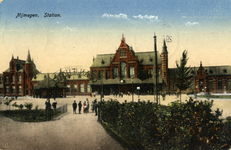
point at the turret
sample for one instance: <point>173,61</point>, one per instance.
<point>164,60</point>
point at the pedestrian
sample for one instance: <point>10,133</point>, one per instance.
<point>16,97</point>
<point>87,104</point>
<point>96,107</point>
<point>74,105</point>
<point>84,106</point>
<point>54,104</point>
<point>80,106</point>
<point>48,104</point>
<point>92,107</point>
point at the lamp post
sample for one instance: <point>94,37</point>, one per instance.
<point>132,89</point>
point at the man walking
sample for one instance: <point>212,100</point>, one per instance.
<point>80,106</point>
<point>54,104</point>
<point>74,107</point>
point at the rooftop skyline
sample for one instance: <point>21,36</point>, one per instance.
<point>83,29</point>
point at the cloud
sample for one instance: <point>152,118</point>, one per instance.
<point>123,16</point>
<point>149,17</point>
<point>1,1</point>
<point>67,28</point>
<point>191,23</point>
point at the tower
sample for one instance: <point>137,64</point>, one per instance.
<point>164,60</point>
<point>28,75</point>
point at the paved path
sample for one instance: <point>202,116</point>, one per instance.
<point>70,132</point>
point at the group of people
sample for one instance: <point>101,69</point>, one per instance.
<point>94,106</point>
<point>48,104</point>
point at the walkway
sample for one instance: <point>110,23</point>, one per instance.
<point>71,132</point>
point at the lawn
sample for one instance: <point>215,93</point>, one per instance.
<point>31,115</point>
<point>215,96</point>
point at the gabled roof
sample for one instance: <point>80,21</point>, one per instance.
<point>102,60</point>
<point>48,83</point>
<point>144,58</point>
<point>148,58</point>
<point>210,71</point>
<point>73,77</point>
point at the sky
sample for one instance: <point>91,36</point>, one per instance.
<point>85,28</point>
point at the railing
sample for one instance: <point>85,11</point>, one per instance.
<point>62,108</point>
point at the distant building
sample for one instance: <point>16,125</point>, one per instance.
<point>124,71</point>
<point>17,78</point>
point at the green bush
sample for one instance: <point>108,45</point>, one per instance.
<point>28,105</point>
<point>20,106</point>
<point>190,125</point>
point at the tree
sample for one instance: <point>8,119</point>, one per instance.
<point>183,73</point>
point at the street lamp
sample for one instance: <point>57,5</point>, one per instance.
<point>132,88</point>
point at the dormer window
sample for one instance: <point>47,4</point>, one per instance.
<point>224,71</point>
<point>211,71</point>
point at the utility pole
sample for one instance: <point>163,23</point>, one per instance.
<point>155,86</point>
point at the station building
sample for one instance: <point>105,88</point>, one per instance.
<point>124,71</point>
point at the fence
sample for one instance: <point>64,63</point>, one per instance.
<point>62,108</point>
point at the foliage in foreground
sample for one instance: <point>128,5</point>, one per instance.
<point>190,125</point>
<point>32,115</point>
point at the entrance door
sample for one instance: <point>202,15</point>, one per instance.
<point>201,85</point>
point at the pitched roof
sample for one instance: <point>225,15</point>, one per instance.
<point>144,58</point>
<point>61,77</point>
<point>148,58</point>
<point>48,83</point>
<point>210,70</point>
<point>102,60</point>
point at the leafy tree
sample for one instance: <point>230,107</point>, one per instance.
<point>182,75</point>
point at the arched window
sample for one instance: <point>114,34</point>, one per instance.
<point>115,72</point>
<point>94,75</point>
<point>101,74</point>
<point>75,87</point>
<point>88,88</point>
<point>131,71</point>
<point>68,88</point>
<point>123,70</point>
<point>82,88</point>
<point>12,78</point>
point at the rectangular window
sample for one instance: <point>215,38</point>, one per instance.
<point>219,84</point>
<point>75,87</point>
<point>229,84</point>
<point>82,88</point>
<point>107,74</point>
<point>68,87</point>
<point>131,71</point>
<point>13,89</point>
<point>210,85</point>
<point>19,89</point>
<point>6,79</point>
<point>20,79</point>
<point>88,88</point>
<point>115,72</point>
<point>7,89</point>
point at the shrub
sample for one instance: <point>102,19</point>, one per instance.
<point>20,106</point>
<point>28,105</point>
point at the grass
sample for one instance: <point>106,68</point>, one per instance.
<point>215,96</point>
<point>31,115</point>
